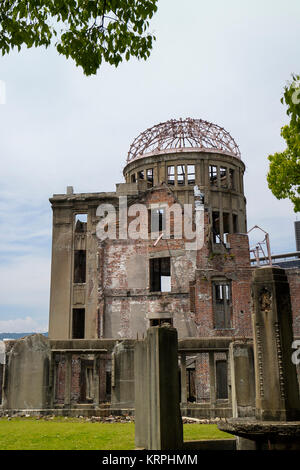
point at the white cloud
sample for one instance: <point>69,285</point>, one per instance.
<point>21,325</point>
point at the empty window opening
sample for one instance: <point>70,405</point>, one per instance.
<point>141,175</point>
<point>191,176</point>
<point>79,266</point>
<point>80,223</point>
<point>216,227</point>
<point>133,178</point>
<point>197,378</point>
<point>226,224</point>
<point>89,376</point>
<point>78,323</point>
<point>171,175</point>
<point>157,219</point>
<point>221,380</point>
<point>235,223</point>
<point>149,174</point>
<point>108,385</point>
<point>160,275</point>
<point>161,321</point>
<point>222,304</point>
<point>213,175</point>
<point>191,379</point>
<point>231,179</point>
<point>223,177</point>
<point>180,174</point>
<point>86,381</point>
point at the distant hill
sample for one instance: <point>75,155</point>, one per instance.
<point>16,335</point>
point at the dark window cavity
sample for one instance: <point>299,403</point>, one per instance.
<point>149,174</point>
<point>213,175</point>
<point>222,304</point>
<point>78,323</point>
<point>160,275</point>
<point>223,177</point>
<point>221,380</point>
<point>216,227</point>
<point>79,266</point>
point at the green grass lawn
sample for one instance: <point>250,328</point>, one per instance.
<point>78,434</point>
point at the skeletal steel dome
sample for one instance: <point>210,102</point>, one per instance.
<point>183,134</point>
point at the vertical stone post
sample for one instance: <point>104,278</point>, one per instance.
<point>96,380</point>
<point>123,380</point>
<point>52,380</point>
<point>159,385</point>
<point>141,394</point>
<point>242,379</point>
<point>277,392</point>
<point>183,379</point>
<point>68,380</point>
<point>242,386</point>
<point>212,383</point>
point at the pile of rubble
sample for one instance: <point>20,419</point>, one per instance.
<point>188,420</point>
<point>111,418</point>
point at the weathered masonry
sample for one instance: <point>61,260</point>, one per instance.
<point>110,290</point>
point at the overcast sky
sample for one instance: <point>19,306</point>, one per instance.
<point>223,61</point>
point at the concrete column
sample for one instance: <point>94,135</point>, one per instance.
<point>68,380</point>
<point>123,380</point>
<point>212,381</point>
<point>52,380</point>
<point>96,380</point>
<point>162,427</point>
<point>141,393</point>
<point>277,392</point>
<point>242,379</point>
<point>164,421</point>
<point>183,379</point>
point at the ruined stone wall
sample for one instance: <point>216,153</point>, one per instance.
<point>125,300</point>
<point>231,265</point>
<point>294,282</point>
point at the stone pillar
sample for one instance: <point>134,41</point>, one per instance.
<point>96,368</point>
<point>277,392</point>
<point>212,383</point>
<point>52,380</point>
<point>242,386</point>
<point>242,379</point>
<point>141,394</point>
<point>68,380</point>
<point>183,379</point>
<point>123,381</point>
<point>162,429</point>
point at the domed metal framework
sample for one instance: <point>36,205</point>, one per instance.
<point>181,134</point>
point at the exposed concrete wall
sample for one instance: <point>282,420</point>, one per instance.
<point>26,379</point>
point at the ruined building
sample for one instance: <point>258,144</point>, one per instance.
<point>106,291</point>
